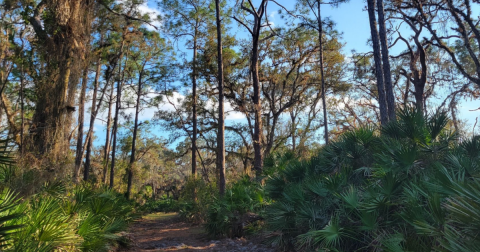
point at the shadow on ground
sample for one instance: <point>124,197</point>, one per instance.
<point>166,232</point>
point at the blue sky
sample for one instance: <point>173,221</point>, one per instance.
<point>351,20</point>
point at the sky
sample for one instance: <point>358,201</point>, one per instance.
<point>351,20</point>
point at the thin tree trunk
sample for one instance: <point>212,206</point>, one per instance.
<point>90,130</point>
<point>453,106</point>
<point>294,127</point>
<point>107,137</point>
<point>92,121</point>
<point>81,111</point>
<point>324,102</point>
<point>407,91</point>
<point>115,124</point>
<point>22,111</point>
<point>378,63</point>
<point>194,106</point>
<point>221,109</point>
<point>257,103</point>
<point>387,75</point>
<point>271,137</point>
<point>134,137</point>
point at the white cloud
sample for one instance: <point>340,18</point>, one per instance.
<point>231,114</point>
<point>146,9</point>
<point>153,13</point>
<point>176,99</point>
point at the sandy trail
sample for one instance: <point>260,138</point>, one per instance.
<point>166,232</point>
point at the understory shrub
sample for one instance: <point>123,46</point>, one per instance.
<point>164,204</point>
<point>56,219</point>
<point>195,199</point>
<point>236,212</point>
<point>412,185</point>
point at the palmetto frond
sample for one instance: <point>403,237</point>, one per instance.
<point>8,216</point>
<point>413,188</point>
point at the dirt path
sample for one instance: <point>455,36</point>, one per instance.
<point>166,232</point>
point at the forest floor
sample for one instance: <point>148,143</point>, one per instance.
<point>166,232</point>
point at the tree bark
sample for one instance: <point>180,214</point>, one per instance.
<point>115,124</point>
<point>134,137</point>
<point>48,126</point>
<point>419,101</point>
<point>378,63</point>
<point>257,102</point>
<point>194,105</point>
<point>22,111</point>
<point>81,113</point>
<point>387,75</point>
<point>106,150</point>
<point>221,109</point>
<point>294,130</point>
<point>86,170</point>
<point>57,44</point>
<point>75,77</point>
<point>320,44</point>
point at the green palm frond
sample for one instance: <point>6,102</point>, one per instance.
<point>369,221</point>
<point>393,243</point>
<point>312,215</point>
<point>9,216</point>
<point>471,147</point>
<point>437,123</point>
<point>452,242</point>
<point>351,198</point>
<point>56,189</point>
<point>330,237</point>
<point>409,125</point>
<point>317,187</point>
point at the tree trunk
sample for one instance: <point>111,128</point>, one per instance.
<point>57,42</point>
<point>22,111</point>
<point>194,105</point>
<point>378,63</point>
<point>48,126</point>
<point>419,100</point>
<point>320,44</point>
<point>134,137</point>
<point>293,130</point>
<point>81,113</point>
<point>107,137</point>
<point>257,103</point>
<point>115,124</point>
<point>271,136</point>
<point>221,109</point>
<point>407,91</point>
<point>71,94</point>
<point>453,108</point>
<point>387,75</point>
<point>92,121</point>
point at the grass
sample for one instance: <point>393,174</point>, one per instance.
<point>160,216</point>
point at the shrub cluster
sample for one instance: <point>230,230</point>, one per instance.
<point>411,186</point>
<point>164,204</point>
<point>232,215</point>
<point>56,219</point>
<point>236,213</point>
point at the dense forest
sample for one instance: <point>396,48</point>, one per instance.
<point>246,117</point>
